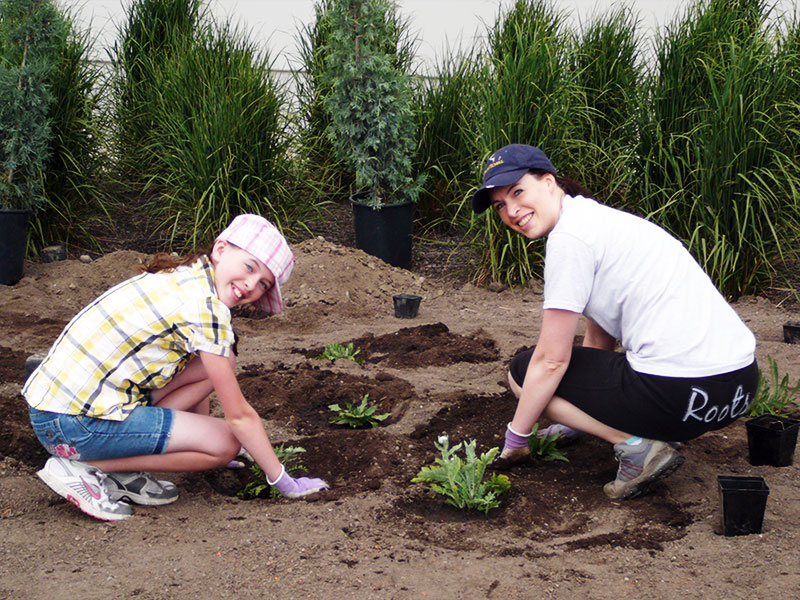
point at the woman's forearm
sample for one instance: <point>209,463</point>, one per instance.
<point>541,381</point>
<point>548,364</point>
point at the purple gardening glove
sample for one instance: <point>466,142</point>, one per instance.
<point>297,488</point>
<point>566,435</point>
<point>515,449</point>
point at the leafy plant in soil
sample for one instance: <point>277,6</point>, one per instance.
<point>289,457</point>
<point>362,415</point>
<point>773,398</point>
<point>334,351</point>
<point>461,480</point>
<point>544,447</point>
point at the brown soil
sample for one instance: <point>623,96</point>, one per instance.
<point>374,533</point>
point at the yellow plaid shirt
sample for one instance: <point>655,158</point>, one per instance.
<point>135,337</point>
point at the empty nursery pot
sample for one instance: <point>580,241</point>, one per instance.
<point>771,440</point>
<point>33,361</point>
<point>406,305</point>
<point>743,501</point>
<point>791,332</point>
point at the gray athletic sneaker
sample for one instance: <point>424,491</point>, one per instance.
<point>84,486</point>
<point>140,488</point>
<point>640,466</point>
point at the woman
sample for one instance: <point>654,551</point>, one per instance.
<point>687,364</point>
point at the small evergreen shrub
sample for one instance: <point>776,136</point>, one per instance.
<point>31,34</point>
<point>370,107</point>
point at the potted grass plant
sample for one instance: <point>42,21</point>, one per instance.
<point>30,33</point>
<point>772,435</point>
<point>372,126</point>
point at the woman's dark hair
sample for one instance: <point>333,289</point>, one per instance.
<point>571,188</point>
<point>162,261</point>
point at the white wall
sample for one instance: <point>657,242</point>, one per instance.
<point>439,23</point>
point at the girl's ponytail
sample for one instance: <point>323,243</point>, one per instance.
<point>162,261</point>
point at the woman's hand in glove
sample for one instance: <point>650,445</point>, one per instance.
<point>515,449</point>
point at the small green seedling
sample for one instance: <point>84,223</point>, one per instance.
<point>334,351</point>
<point>773,398</point>
<point>544,448</point>
<point>461,480</point>
<point>362,415</point>
<point>289,457</point>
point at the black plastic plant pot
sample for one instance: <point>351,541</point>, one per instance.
<point>406,305</point>
<point>743,501</point>
<point>791,332</point>
<point>13,244</point>
<point>386,232</point>
<point>771,440</point>
<point>33,361</point>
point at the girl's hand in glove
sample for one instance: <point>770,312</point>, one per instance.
<point>515,449</point>
<point>297,488</point>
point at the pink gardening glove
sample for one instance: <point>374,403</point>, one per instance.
<point>297,488</point>
<point>515,449</point>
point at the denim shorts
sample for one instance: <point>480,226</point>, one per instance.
<point>145,431</point>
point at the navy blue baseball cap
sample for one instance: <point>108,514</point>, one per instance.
<point>507,166</point>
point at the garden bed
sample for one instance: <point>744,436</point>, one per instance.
<point>374,533</point>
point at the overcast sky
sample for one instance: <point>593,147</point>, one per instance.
<point>439,24</point>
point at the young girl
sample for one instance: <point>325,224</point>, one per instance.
<point>125,387</point>
<point>688,364</point>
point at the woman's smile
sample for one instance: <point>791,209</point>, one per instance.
<point>531,206</point>
<point>525,220</point>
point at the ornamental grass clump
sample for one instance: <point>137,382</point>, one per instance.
<point>773,398</point>
<point>289,456</point>
<point>202,125</point>
<point>461,480</point>
<point>360,416</point>
<point>152,34</point>
<point>718,142</point>
<point>218,142</point>
<point>606,65</point>
<point>446,108</point>
<point>527,96</point>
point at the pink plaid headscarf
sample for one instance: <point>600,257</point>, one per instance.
<point>262,239</point>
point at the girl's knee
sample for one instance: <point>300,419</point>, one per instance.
<point>233,448</point>
<point>226,447</point>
